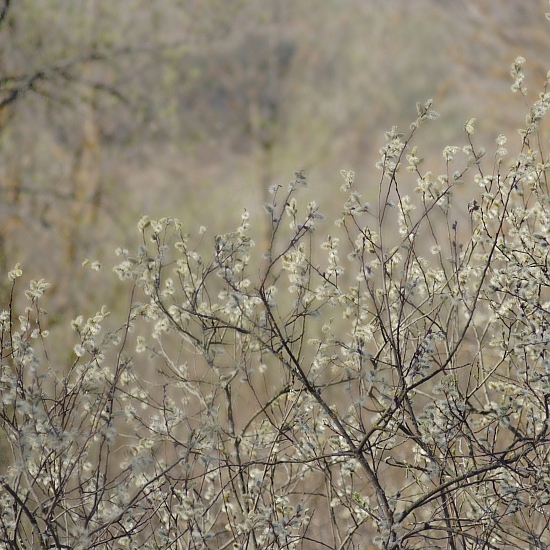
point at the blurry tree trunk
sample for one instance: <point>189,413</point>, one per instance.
<point>264,137</point>
<point>10,219</point>
<point>85,192</point>
<point>265,107</point>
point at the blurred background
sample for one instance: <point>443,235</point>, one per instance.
<point>193,108</point>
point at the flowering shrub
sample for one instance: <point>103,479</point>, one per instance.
<point>388,382</point>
